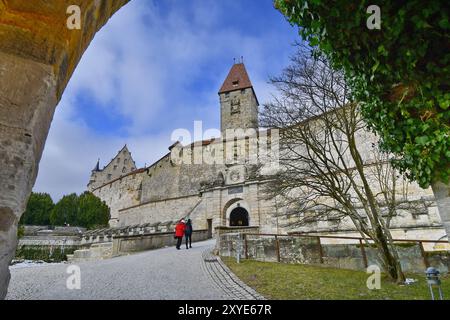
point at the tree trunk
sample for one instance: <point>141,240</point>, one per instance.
<point>442,196</point>
<point>391,262</point>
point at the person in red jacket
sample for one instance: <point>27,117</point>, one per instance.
<point>179,232</point>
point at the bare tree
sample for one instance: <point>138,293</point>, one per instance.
<point>330,167</point>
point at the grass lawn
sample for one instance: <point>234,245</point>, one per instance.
<point>303,282</point>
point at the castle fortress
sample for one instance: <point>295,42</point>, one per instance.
<point>214,182</point>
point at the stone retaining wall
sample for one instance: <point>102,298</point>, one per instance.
<point>221,230</point>
<point>309,251</point>
<point>136,243</point>
<point>49,241</point>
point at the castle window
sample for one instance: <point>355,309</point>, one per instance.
<point>242,91</point>
<point>109,176</point>
<point>118,160</point>
<point>125,161</point>
<point>124,169</point>
<point>115,167</point>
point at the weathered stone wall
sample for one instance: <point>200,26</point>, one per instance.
<point>27,100</point>
<point>222,230</point>
<point>56,236</point>
<point>49,241</point>
<point>122,164</point>
<point>43,243</point>
<point>309,251</point>
<point>158,211</point>
<point>121,193</point>
<point>125,244</point>
<point>442,194</point>
<point>405,218</point>
<point>244,112</point>
<point>161,182</point>
<point>30,230</point>
<point>167,180</point>
<point>425,233</point>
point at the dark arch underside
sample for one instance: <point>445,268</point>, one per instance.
<point>239,218</point>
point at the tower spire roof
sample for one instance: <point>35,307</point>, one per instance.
<point>97,166</point>
<point>237,79</point>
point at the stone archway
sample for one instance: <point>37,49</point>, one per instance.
<point>239,217</point>
<point>232,205</point>
<point>38,55</point>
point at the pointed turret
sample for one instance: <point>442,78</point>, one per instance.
<point>97,166</point>
<point>122,164</point>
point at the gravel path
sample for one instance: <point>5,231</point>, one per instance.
<point>159,274</point>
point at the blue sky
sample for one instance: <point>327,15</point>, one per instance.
<point>155,67</point>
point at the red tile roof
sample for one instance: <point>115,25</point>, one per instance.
<point>204,143</point>
<point>237,79</point>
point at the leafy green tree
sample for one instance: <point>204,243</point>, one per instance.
<point>93,212</point>
<point>85,210</point>
<point>398,73</point>
<point>65,211</point>
<point>38,210</point>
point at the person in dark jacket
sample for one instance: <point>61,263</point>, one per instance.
<point>179,232</point>
<point>188,233</point>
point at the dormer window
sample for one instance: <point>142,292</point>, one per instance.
<point>235,83</point>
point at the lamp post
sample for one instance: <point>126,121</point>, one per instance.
<point>434,280</point>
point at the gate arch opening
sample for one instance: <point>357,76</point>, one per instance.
<point>239,217</point>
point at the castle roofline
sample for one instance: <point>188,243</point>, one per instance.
<point>137,171</point>
<point>237,79</point>
<point>118,153</point>
<point>97,166</point>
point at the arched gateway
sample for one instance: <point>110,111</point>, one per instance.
<point>236,213</point>
<point>239,217</point>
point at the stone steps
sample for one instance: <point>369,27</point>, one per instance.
<point>97,251</point>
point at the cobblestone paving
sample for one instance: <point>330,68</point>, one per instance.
<point>226,280</point>
<point>163,274</point>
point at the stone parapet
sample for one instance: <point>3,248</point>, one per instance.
<point>134,243</point>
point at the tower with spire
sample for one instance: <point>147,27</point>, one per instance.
<point>238,101</point>
<point>122,164</point>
